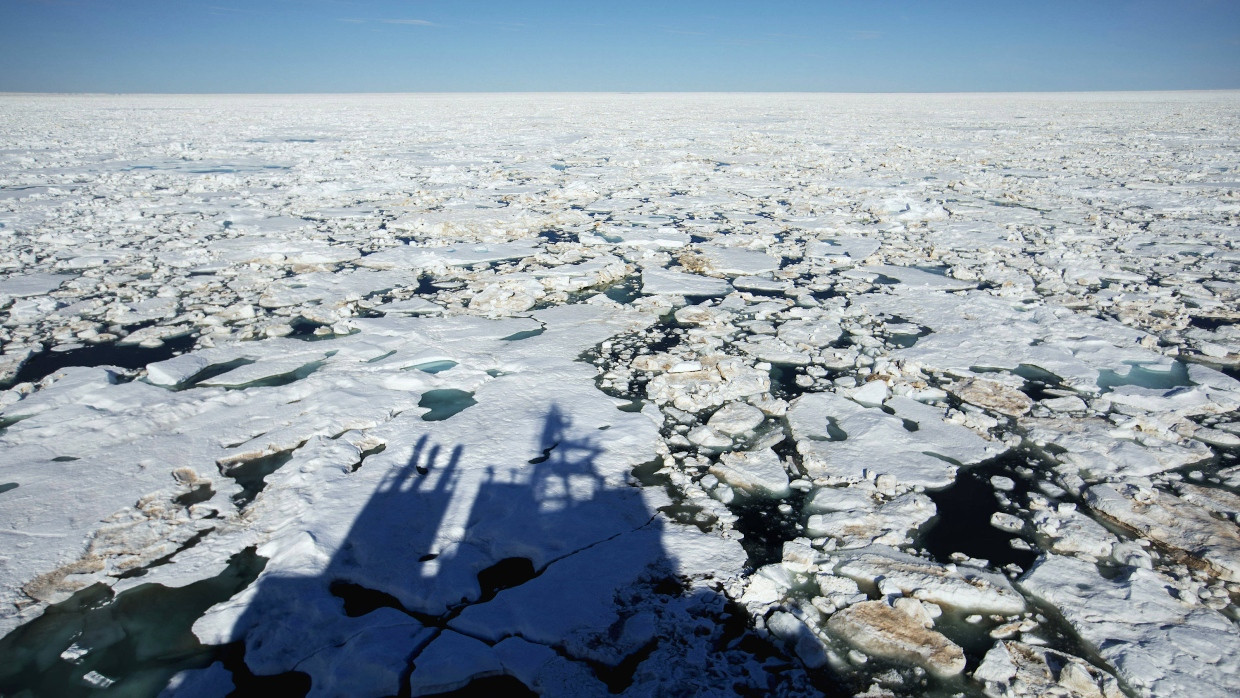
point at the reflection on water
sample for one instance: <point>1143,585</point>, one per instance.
<point>127,644</point>
<point>1142,377</point>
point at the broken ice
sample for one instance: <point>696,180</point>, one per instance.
<point>605,394</point>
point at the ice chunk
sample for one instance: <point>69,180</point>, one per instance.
<point>964,588</point>
<point>753,471</point>
<point>556,609</point>
<point>760,284</point>
<point>1013,669</point>
<point>542,670</point>
<point>463,254</point>
<point>412,306</point>
<point>840,438</point>
<point>819,331</point>
<point>1068,403</point>
<point>667,282</point>
<point>1189,532</point>
<point>660,238</point>
<point>275,368</point>
<point>373,660</point>
<point>774,351</point>
<point>826,499</point>
<point>707,437</point>
<point>736,418</point>
<point>722,378</point>
<point>729,261</point>
<point>871,394</point>
<point>214,680</point>
<point>887,522</point>
<point>450,662</point>
<point>912,277</point>
<point>1095,449</point>
<point>176,370</point>
<point>974,330</point>
<point>880,630</point>
<point>1071,532</point>
<point>26,285</point>
<point>993,395</point>
<point>507,297</point>
<point>854,249</point>
<point>1157,644</point>
<point>797,635</point>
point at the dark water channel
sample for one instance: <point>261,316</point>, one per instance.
<point>767,523</point>
<point>98,642</point>
<point>964,510</point>
<point>47,362</point>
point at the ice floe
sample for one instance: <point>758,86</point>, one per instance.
<point>602,394</point>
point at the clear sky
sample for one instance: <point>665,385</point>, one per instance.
<point>629,45</point>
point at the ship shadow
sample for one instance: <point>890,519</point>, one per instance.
<point>455,579</point>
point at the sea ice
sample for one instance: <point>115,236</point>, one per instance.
<point>1158,645</point>
<point>878,629</point>
<point>610,404</point>
<point>843,440</point>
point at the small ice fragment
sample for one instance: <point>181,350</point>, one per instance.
<point>1071,403</point>
<point>706,437</point>
<point>754,471</point>
<point>736,418</point>
<point>1004,484</point>
<point>74,653</point>
<point>94,678</point>
<point>1006,522</point>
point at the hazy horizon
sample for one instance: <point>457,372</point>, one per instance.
<point>328,46</point>
<point>397,93</point>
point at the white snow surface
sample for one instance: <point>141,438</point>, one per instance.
<point>1158,644</point>
<point>432,358</point>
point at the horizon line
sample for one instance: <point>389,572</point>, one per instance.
<point>610,92</point>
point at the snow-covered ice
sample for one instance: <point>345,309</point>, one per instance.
<point>620,394</point>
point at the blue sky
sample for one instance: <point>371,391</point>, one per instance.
<point>554,45</point>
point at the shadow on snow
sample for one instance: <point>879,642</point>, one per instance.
<point>554,583</point>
